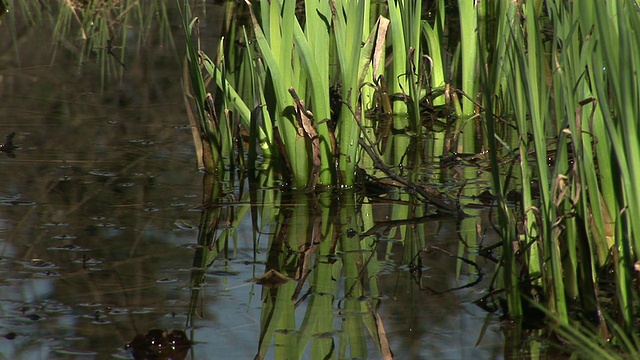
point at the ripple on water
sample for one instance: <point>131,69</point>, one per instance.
<point>142,311</point>
<point>88,261</point>
<point>118,311</point>
<point>38,264</point>
<point>75,352</point>
<point>101,173</point>
<point>51,306</point>
<point>166,281</point>
<point>47,274</point>
<point>56,224</point>
<point>64,237</point>
<point>184,225</point>
<point>93,305</point>
<point>68,247</point>
<point>17,203</point>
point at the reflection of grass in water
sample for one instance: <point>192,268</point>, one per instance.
<point>97,29</point>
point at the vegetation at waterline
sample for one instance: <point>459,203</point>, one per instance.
<point>544,92</point>
<point>545,97</point>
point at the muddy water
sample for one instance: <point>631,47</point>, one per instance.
<point>99,216</point>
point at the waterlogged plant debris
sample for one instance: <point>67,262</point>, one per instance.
<point>272,279</point>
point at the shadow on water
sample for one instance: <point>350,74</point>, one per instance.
<point>108,237</point>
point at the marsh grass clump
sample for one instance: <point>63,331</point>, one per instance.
<point>564,90</point>
<point>297,55</point>
<point>543,91</point>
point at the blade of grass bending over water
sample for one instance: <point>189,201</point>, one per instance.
<point>233,100</point>
<point>222,120</point>
<point>580,340</point>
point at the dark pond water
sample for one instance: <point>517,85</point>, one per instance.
<point>99,234</point>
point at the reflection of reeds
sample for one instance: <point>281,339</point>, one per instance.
<point>98,31</point>
<point>316,249</point>
<point>111,28</point>
<point>322,264</point>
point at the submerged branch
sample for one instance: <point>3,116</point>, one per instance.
<point>430,195</point>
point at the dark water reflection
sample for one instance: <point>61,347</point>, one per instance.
<point>99,228</point>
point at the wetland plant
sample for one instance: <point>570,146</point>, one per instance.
<point>322,89</point>
<point>544,90</point>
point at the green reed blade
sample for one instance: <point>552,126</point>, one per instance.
<point>279,68</point>
<point>469,52</point>
<point>397,76</point>
<point>354,70</point>
<point>433,35</point>
<point>620,107</point>
<point>319,99</point>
